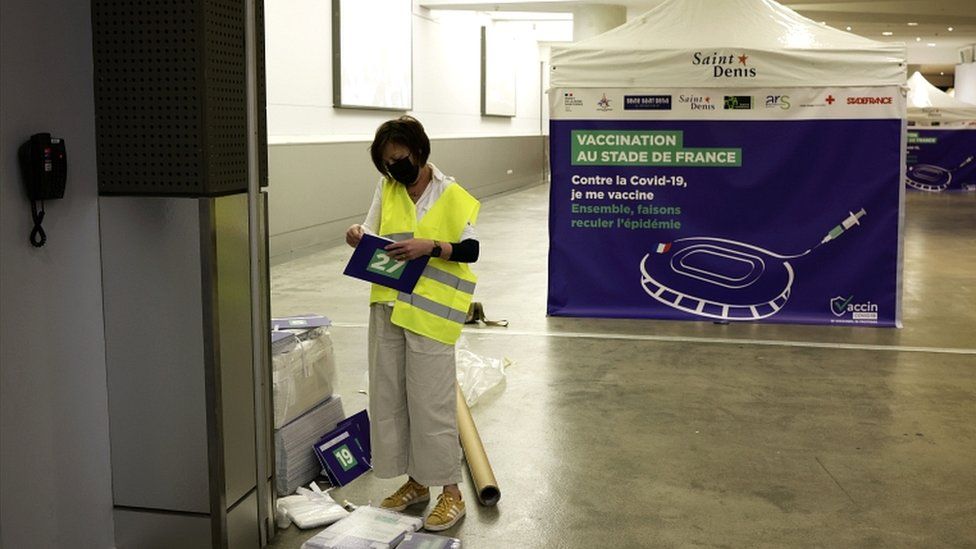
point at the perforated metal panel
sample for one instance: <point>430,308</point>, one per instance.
<point>170,97</point>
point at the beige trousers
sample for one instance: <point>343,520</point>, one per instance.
<point>412,403</point>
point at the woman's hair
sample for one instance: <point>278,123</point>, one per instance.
<point>406,131</point>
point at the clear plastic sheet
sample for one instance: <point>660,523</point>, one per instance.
<point>366,527</point>
<point>304,373</point>
<point>428,541</point>
<point>476,374</point>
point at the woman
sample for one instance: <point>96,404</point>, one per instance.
<point>412,398</point>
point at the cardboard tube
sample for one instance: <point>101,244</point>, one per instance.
<point>474,454</point>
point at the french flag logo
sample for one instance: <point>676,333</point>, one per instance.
<point>663,248</point>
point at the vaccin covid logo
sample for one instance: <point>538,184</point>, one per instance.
<point>846,307</point>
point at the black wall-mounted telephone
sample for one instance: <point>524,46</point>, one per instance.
<point>44,166</point>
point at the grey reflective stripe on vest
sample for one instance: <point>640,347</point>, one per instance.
<point>397,237</point>
<point>434,307</point>
<point>445,277</point>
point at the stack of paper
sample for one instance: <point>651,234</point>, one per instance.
<point>365,527</point>
<point>295,459</point>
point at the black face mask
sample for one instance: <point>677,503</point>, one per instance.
<point>404,171</point>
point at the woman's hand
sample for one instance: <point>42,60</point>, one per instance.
<point>354,234</point>
<point>405,250</point>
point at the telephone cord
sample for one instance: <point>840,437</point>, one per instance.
<point>37,235</point>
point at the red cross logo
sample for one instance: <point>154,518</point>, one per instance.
<point>830,99</point>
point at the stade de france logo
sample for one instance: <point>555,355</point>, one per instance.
<point>604,104</point>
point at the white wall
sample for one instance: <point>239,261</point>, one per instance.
<point>321,177</point>
<point>55,476</point>
<point>966,82</point>
<point>446,77</point>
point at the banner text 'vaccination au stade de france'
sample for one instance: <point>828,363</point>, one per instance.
<point>736,205</point>
<point>941,159</point>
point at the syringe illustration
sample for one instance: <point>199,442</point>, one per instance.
<point>726,279</point>
<point>931,178</point>
<point>843,226</point>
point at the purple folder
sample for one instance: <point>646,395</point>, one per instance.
<point>344,452</point>
<point>360,423</point>
<point>369,262</point>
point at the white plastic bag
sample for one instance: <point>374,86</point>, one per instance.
<point>478,374</point>
<point>309,509</point>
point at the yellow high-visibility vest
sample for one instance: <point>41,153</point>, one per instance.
<point>439,303</point>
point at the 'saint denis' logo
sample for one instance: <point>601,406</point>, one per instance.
<point>725,65</point>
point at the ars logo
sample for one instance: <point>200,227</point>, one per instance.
<point>780,101</point>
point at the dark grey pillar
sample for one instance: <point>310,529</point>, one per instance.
<point>180,126</point>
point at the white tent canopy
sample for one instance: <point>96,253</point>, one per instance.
<point>726,43</point>
<point>926,103</point>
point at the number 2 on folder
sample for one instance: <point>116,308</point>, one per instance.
<point>385,265</point>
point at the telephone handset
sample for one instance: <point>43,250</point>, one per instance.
<point>44,166</point>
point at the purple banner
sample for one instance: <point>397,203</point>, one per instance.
<point>941,160</point>
<point>779,221</point>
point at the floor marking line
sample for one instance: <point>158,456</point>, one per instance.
<point>829,474</point>
<point>712,340</point>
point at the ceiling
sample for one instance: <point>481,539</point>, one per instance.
<point>932,47</point>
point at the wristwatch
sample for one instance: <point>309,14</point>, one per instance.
<point>436,250</point>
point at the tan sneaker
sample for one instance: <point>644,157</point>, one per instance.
<point>408,494</point>
<point>446,513</point>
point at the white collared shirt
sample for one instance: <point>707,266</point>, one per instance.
<point>434,190</point>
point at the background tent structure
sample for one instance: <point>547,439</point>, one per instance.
<point>786,49</point>
<point>709,159</point>
<point>942,141</point>
<point>928,104</point>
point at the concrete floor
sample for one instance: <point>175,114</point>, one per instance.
<point>639,433</point>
